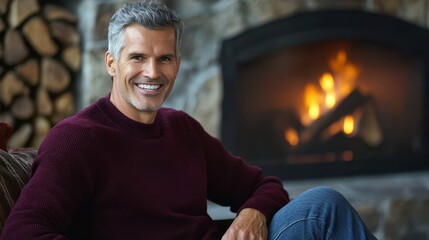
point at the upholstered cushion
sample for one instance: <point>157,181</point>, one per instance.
<point>14,173</point>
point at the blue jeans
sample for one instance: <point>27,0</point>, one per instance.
<point>319,213</point>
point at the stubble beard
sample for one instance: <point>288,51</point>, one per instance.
<point>133,101</point>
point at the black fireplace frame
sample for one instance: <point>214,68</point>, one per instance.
<point>314,26</point>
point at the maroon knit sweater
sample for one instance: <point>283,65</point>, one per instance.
<point>100,175</point>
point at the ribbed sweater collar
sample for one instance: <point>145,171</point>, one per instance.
<point>122,122</point>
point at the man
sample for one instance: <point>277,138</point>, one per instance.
<point>125,168</point>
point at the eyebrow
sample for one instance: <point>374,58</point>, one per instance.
<point>170,55</point>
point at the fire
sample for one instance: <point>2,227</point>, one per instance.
<point>348,124</point>
<point>321,97</point>
<point>345,71</point>
<point>328,86</point>
<point>327,82</point>
<point>314,111</point>
<point>312,101</point>
<point>335,117</point>
<point>333,86</point>
<point>291,136</point>
<point>330,99</point>
<point>316,101</point>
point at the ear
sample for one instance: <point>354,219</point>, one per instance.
<point>110,63</point>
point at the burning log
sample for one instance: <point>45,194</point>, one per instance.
<point>368,133</point>
<point>369,128</point>
<point>350,103</point>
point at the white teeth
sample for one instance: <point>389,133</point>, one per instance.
<point>149,86</point>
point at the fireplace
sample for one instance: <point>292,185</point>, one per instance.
<point>328,93</point>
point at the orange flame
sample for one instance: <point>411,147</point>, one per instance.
<point>328,85</point>
<point>312,101</point>
<point>291,136</point>
<point>319,98</point>
<point>348,125</point>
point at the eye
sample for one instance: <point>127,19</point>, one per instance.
<point>165,59</point>
<point>137,57</point>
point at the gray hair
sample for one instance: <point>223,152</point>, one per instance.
<point>149,14</point>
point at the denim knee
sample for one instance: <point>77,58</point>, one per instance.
<point>323,193</point>
<point>318,213</point>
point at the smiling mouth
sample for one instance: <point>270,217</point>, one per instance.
<point>149,87</point>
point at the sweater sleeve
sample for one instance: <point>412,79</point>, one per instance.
<point>59,183</point>
<point>235,183</point>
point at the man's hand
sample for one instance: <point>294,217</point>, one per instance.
<point>250,224</point>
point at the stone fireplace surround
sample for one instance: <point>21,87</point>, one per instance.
<point>394,206</point>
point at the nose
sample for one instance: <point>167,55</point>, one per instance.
<point>152,70</point>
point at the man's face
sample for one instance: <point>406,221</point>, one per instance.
<point>145,72</point>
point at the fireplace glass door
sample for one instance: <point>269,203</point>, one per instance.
<point>339,100</point>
